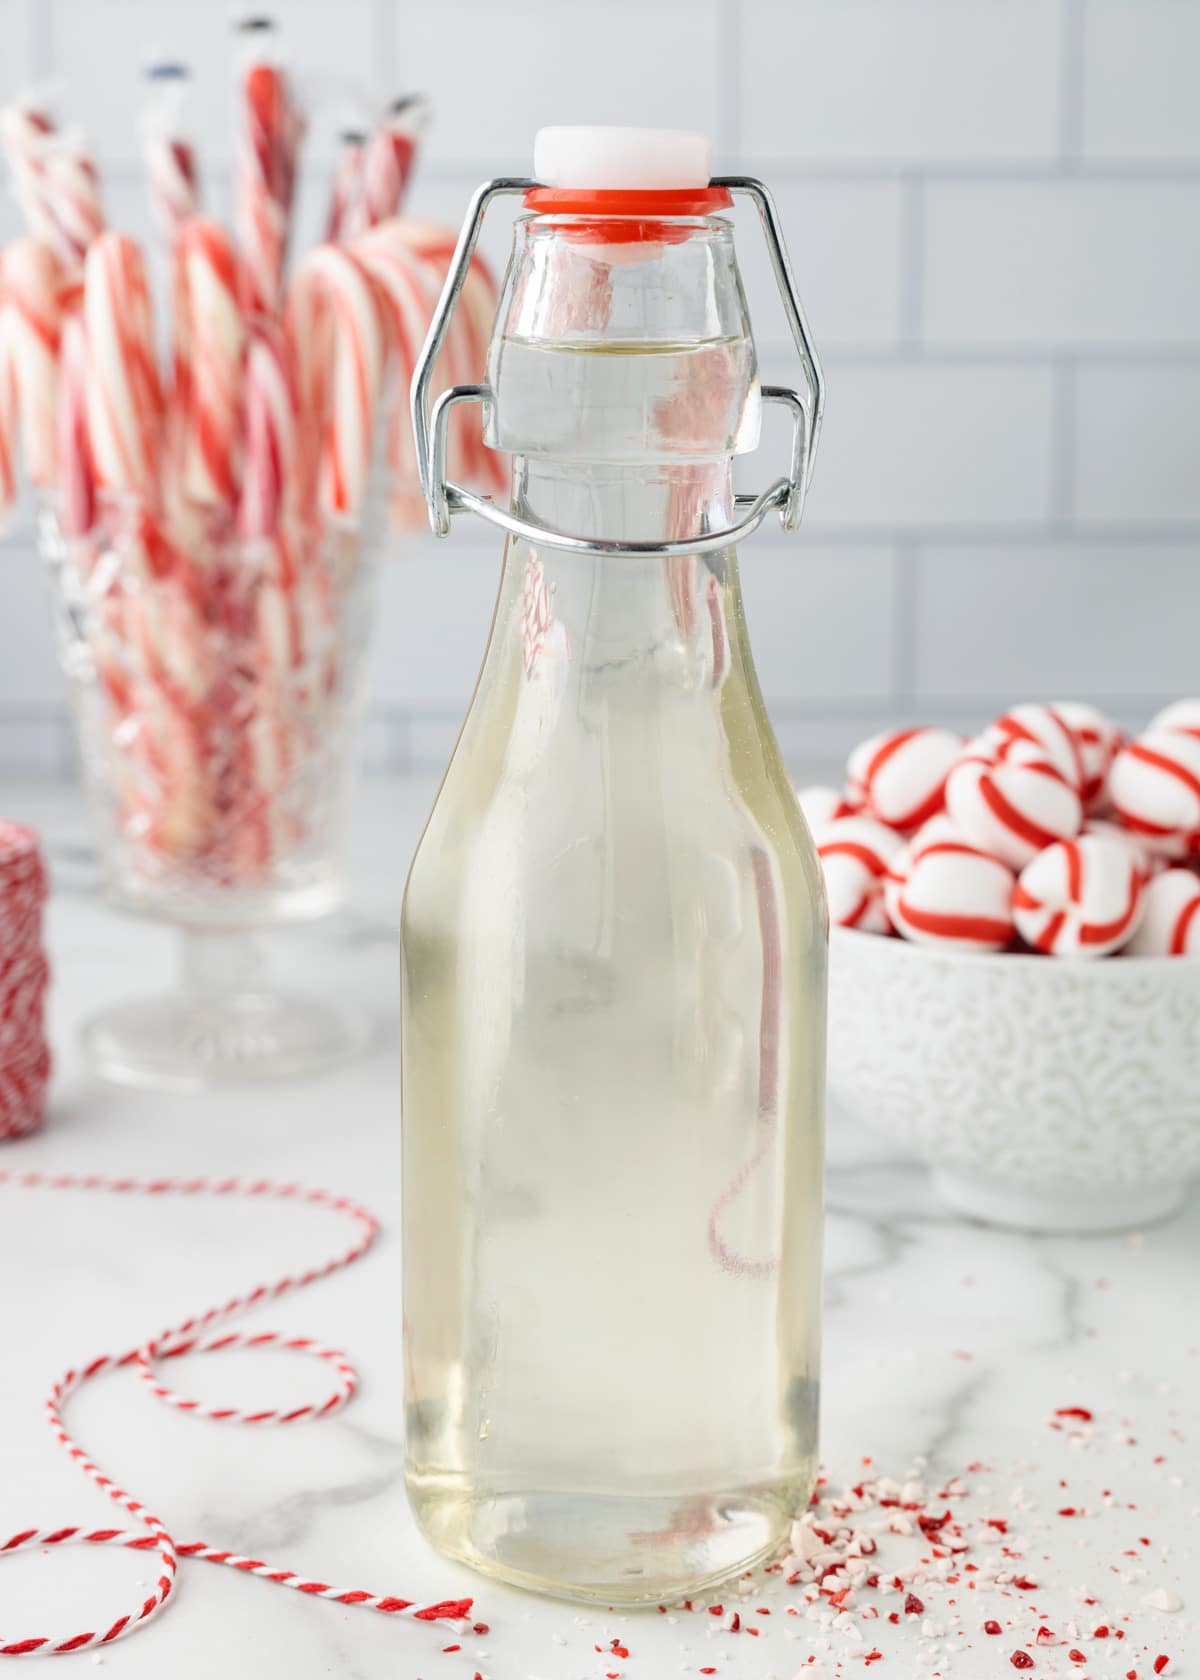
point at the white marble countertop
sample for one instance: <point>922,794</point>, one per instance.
<point>947,1346</point>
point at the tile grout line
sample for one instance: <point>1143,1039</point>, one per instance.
<point>1073,46</point>
<point>730,49</point>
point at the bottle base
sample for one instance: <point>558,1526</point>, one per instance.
<point>613,1549</point>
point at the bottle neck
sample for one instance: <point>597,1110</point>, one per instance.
<point>624,502</point>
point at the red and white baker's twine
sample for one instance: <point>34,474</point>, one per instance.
<point>190,1337</point>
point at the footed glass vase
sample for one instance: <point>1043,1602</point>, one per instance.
<point>216,695</point>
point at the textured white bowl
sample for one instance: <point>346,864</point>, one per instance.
<point>1050,1095</point>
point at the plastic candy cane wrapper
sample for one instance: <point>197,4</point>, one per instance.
<point>24,977</point>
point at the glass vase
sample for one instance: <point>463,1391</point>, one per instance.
<point>216,691</point>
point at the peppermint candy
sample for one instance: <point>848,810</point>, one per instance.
<point>855,853</point>
<point>1080,898</point>
<point>1170,924</point>
<point>1154,786</point>
<point>900,777</point>
<point>1044,727</point>
<point>1098,739</point>
<point>946,892</point>
<point>1009,800</point>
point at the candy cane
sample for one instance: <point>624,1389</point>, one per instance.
<point>8,417</point>
<point>411,288</point>
<point>26,131</point>
<point>269,132</point>
<point>217,343</point>
<point>72,190</point>
<point>354,375</point>
<point>346,197</point>
<point>388,159</point>
<point>124,401</point>
<point>152,1534</point>
<point>271,411</point>
<point>32,327</point>
<point>170,158</point>
<point>76,475</point>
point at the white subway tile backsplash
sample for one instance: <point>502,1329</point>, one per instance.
<point>993,207</point>
<point>820,618</point>
<point>17,68</point>
<point>435,609</point>
<point>29,671</point>
<point>1062,263</point>
<point>1069,620</point>
<point>498,73</point>
<point>1135,455</point>
<point>846,245</point>
<point>34,745</point>
<point>908,445</point>
<point>899,82</point>
<point>1140,65</point>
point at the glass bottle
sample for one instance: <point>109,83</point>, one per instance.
<point>614,939</point>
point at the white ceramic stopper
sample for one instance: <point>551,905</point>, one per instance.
<point>657,159</point>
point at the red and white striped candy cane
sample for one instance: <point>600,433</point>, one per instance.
<point>388,158</point>
<point>124,398</point>
<point>190,1337</point>
<point>217,340</point>
<point>72,190</point>
<point>272,401</point>
<point>27,132</point>
<point>31,321</point>
<point>269,131</point>
<point>350,386</point>
<point>76,476</point>
<point>8,419</point>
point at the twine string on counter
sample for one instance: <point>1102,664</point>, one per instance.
<point>191,1337</point>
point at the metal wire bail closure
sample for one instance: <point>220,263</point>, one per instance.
<point>430,430</point>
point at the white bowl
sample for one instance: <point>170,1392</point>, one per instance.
<point>1046,1094</point>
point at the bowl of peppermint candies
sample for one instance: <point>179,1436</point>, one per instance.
<point>1015,960</point>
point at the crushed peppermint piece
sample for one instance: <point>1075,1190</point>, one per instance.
<point>1162,1599</point>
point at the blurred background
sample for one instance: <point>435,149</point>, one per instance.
<point>994,211</point>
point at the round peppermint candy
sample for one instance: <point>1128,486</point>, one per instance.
<point>949,893</point>
<point>1006,798</point>
<point>900,777</point>
<point>1080,898</point>
<point>1154,788</point>
<point>1170,925</point>
<point>855,853</point>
